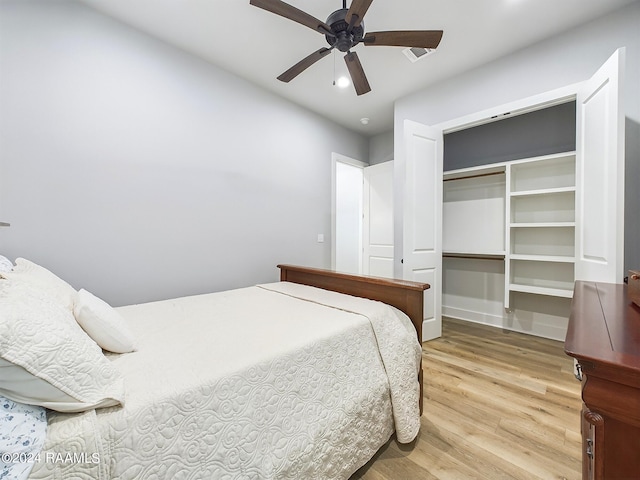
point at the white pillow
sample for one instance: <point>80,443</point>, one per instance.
<point>45,357</point>
<point>103,324</point>
<point>5,266</point>
<point>43,280</point>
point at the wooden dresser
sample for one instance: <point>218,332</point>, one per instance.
<point>604,337</point>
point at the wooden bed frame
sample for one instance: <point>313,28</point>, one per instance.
<point>404,295</point>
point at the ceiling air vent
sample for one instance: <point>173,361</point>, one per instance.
<point>416,53</point>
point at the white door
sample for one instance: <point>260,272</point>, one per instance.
<point>600,175</point>
<point>377,232</point>
<point>422,219</point>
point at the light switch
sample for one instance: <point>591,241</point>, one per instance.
<point>321,238</point>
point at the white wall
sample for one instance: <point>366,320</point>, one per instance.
<point>559,61</point>
<point>139,172</point>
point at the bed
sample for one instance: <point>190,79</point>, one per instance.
<point>318,378</point>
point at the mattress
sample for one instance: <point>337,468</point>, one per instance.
<point>271,381</point>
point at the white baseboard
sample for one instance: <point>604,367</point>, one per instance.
<point>553,332</point>
<point>431,329</point>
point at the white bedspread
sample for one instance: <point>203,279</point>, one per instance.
<point>275,381</point>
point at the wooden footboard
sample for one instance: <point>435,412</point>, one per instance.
<point>404,295</point>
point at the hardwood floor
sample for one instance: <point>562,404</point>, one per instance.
<point>497,405</point>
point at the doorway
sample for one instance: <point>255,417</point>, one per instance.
<point>362,220</point>
<point>347,212</point>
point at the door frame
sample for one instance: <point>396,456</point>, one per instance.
<point>511,109</point>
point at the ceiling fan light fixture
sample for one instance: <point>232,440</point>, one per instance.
<point>342,82</point>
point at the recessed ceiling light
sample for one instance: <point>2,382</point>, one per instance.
<point>364,121</point>
<point>343,82</point>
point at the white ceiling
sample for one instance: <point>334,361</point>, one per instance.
<point>258,45</point>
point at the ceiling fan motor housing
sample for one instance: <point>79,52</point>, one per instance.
<point>343,39</point>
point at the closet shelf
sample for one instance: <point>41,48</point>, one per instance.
<point>554,292</point>
<point>475,255</point>
<point>543,225</point>
<point>543,191</point>
<point>544,258</point>
<point>473,172</point>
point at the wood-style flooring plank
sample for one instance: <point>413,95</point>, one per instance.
<point>497,405</point>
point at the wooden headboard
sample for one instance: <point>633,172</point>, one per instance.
<point>404,295</point>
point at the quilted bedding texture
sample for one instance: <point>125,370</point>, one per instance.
<point>275,381</point>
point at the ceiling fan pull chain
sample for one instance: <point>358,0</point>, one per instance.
<point>334,67</point>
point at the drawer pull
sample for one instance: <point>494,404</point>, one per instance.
<point>577,370</point>
<point>589,448</point>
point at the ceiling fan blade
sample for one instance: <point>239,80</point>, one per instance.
<point>357,10</point>
<point>292,13</point>
<point>356,71</point>
<point>303,64</point>
<point>404,38</point>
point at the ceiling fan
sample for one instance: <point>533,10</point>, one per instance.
<point>344,30</point>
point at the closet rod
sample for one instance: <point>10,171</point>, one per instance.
<point>473,176</point>
<point>472,256</point>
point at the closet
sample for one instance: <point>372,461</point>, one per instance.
<point>509,225</point>
<point>505,209</point>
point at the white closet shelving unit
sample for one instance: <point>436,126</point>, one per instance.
<point>520,212</point>
<point>541,220</point>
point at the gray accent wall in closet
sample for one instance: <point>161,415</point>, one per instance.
<point>542,132</point>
